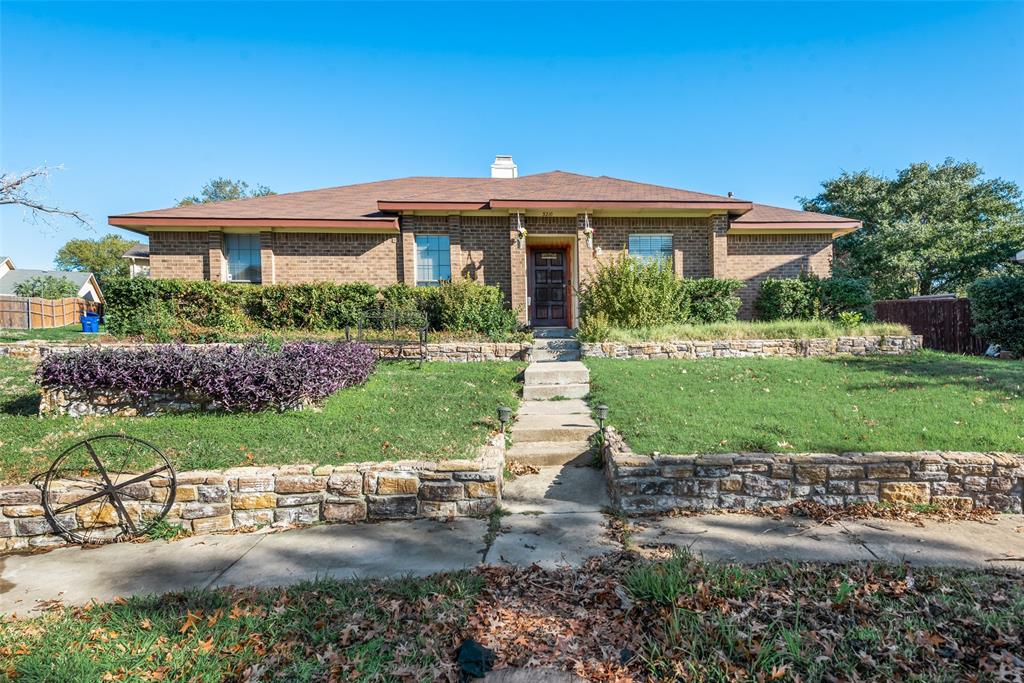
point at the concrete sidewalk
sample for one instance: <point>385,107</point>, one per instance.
<point>555,518</point>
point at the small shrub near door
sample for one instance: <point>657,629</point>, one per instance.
<point>245,378</point>
<point>997,307</point>
<point>628,293</point>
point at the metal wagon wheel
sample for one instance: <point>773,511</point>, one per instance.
<point>108,488</point>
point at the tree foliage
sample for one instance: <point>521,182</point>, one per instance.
<point>103,257</point>
<point>224,189</point>
<point>929,229</point>
<point>46,287</point>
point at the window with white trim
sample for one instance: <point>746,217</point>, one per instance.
<point>433,260</point>
<point>242,255</point>
<point>651,248</point>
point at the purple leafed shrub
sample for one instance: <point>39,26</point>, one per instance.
<point>243,378</point>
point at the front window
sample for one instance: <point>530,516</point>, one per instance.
<point>242,253</point>
<point>651,248</point>
<point>433,260</point>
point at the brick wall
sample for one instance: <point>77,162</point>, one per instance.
<point>691,254</point>
<point>335,257</point>
<point>182,255</point>
<point>752,258</point>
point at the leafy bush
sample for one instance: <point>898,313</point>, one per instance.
<point>594,328</point>
<point>197,310</point>
<point>630,293</point>
<point>838,295</point>
<point>809,296</point>
<point>712,300</point>
<point>468,306</point>
<point>46,287</point>
<point>785,299</point>
<point>244,378</point>
<point>997,306</point>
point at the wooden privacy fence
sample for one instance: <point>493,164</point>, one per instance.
<point>32,313</point>
<point>945,324</point>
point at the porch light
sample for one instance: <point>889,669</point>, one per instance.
<point>520,230</point>
<point>588,230</point>
<point>504,415</point>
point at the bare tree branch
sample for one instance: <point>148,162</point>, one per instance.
<point>20,189</point>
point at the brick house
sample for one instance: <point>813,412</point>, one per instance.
<point>537,237</point>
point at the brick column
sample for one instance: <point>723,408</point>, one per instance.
<point>517,267</point>
<point>267,266</point>
<point>678,253</point>
<point>215,256</point>
<point>718,248</point>
<point>455,247</point>
<point>407,256</point>
<point>585,255</point>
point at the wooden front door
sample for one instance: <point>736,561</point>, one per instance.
<point>548,287</point>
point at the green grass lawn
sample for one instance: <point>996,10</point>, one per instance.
<point>442,410</point>
<point>928,401</point>
<point>686,619</point>
<point>54,334</point>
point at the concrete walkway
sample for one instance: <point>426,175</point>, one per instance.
<point>554,518</point>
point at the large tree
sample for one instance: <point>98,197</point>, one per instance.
<point>103,257</point>
<point>223,189</point>
<point>930,229</point>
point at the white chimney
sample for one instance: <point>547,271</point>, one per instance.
<point>504,167</point>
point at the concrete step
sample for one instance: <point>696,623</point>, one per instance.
<point>542,356</point>
<point>556,373</point>
<point>570,406</point>
<point>544,453</point>
<point>553,428</point>
<point>553,333</point>
<point>550,391</point>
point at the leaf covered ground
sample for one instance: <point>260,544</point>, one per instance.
<point>617,618</point>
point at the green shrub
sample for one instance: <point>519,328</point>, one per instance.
<point>712,300</point>
<point>785,299</point>
<point>837,295</point>
<point>46,287</point>
<point>997,306</point>
<point>594,328</point>
<point>468,306</point>
<point>629,293</point>
<point>196,310</point>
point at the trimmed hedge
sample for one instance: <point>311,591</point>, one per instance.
<point>808,297</point>
<point>163,309</point>
<point>630,294</point>
<point>236,378</point>
<point>997,307</point>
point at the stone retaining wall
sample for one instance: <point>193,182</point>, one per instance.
<point>641,484</point>
<point>448,351</point>
<point>746,348</point>
<point>242,497</point>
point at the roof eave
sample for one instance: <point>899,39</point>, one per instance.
<point>741,207</point>
<point>836,228</point>
<point>139,224</point>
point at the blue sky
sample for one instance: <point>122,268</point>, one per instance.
<point>142,103</point>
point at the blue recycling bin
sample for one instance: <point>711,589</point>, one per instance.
<point>91,323</point>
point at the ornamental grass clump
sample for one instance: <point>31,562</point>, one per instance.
<point>234,379</point>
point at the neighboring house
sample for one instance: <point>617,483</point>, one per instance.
<point>537,237</point>
<point>11,277</point>
<point>138,260</point>
<point>1019,258</point>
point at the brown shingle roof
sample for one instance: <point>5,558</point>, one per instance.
<point>368,204</point>
<point>762,213</point>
